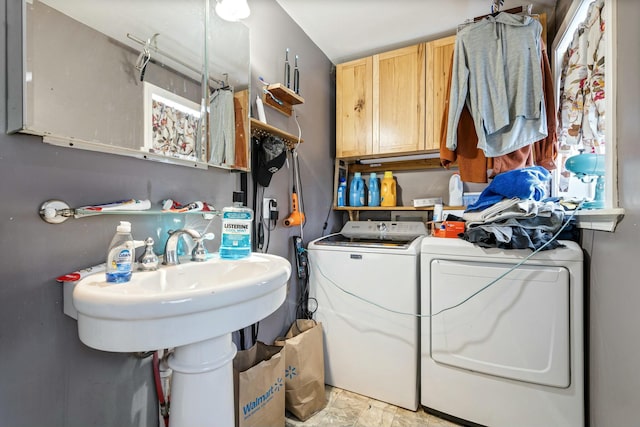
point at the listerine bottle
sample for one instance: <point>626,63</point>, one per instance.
<point>236,229</point>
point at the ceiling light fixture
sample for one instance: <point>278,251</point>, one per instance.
<point>232,10</point>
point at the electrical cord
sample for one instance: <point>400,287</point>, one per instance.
<point>326,220</point>
<point>269,225</point>
<point>302,307</point>
<point>487,286</point>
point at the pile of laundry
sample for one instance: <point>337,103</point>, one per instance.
<point>514,213</point>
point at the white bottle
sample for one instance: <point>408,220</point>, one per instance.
<point>260,108</point>
<point>236,229</point>
<point>120,255</point>
<point>455,190</point>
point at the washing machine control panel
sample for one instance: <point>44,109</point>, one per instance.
<point>374,228</point>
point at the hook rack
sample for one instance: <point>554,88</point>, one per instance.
<point>262,129</point>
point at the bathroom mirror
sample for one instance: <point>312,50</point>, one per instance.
<point>128,78</point>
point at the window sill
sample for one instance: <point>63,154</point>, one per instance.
<point>599,219</point>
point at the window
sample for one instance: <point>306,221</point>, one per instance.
<point>600,219</point>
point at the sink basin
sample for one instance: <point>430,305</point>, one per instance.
<point>180,304</point>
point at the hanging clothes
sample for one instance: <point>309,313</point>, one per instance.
<point>582,92</point>
<point>222,128</point>
<point>545,151</point>
<point>496,73</point>
<point>472,162</point>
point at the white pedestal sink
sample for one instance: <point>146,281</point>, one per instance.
<point>193,307</point>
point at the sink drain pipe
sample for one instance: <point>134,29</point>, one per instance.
<point>162,380</point>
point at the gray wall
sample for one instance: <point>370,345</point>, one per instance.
<point>614,268</point>
<point>47,376</point>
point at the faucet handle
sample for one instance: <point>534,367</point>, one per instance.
<point>199,252</point>
<point>208,236</point>
<point>149,260</point>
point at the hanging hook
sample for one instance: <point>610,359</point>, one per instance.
<point>496,5</point>
<point>145,55</point>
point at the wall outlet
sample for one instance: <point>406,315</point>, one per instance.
<point>268,204</point>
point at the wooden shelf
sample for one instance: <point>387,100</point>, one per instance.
<point>406,165</point>
<point>286,96</point>
<point>354,211</point>
<point>393,208</point>
<point>262,129</point>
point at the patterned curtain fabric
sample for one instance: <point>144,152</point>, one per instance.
<point>581,116</point>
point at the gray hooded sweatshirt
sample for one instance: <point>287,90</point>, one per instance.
<point>497,72</point>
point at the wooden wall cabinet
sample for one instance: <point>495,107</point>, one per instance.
<point>354,108</point>
<point>380,104</point>
<point>392,103</point>
<point>398,100</point>
<point>439,56</point>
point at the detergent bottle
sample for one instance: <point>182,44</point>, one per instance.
<point>374,190</point>
<point>342,192</point>
<point>388,190</point>
<point>455,190</point>
<point>356,190</point>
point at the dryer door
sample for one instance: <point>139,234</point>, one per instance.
<point>517,328</point>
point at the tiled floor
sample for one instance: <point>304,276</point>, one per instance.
<point>346,409</point>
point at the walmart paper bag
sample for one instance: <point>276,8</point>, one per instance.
<point>258,375</point>
<point>304,372</point>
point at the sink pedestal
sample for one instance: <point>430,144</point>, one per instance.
<point>202,383</point>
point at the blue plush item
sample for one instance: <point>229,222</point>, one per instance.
<point>525,183</point>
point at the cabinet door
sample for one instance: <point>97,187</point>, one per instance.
<point>354,108</point>
<point>439,56</point>
<point>399,99</point>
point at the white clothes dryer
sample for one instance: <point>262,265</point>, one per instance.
<point>365,280</point>
<point>509,353</point>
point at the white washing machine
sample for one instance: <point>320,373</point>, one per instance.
<point>511,354</point>
<point>365,280</point>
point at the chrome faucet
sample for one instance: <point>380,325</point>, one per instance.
<point>171,248</point>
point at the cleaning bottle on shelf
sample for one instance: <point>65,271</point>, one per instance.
<point>236,229</point>
<point>356,190</point>
<point>342,192</point>
<point>120,255</point>
<point>455,190</point>
<point>374,190</point>
<point>388,190</point>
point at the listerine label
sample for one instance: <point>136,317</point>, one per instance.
<point>236,234</point>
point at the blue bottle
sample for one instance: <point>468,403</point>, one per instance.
<point>342,192</point>
<point>356,191</point>
<point>374,190</point>
<point>236,229</point>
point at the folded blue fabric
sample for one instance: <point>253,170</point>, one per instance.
<point>525,183</point>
